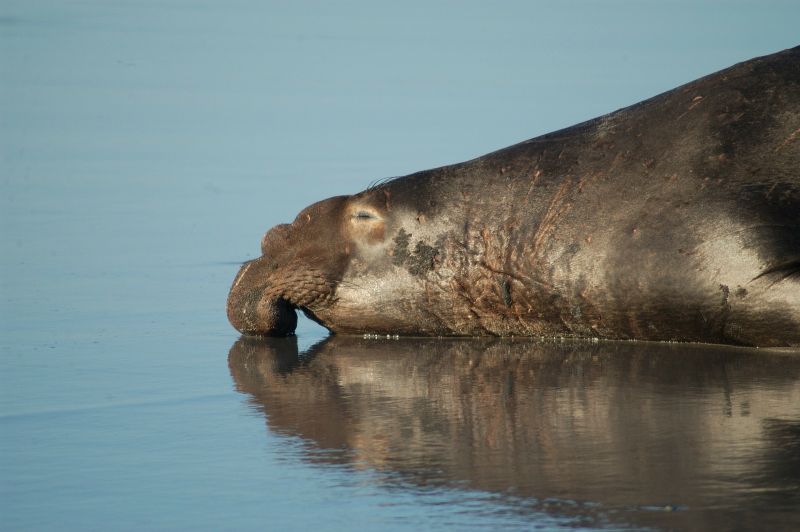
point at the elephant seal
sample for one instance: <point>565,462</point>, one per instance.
<point>675,219</point>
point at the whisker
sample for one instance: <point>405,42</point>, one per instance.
<point>379,182</point>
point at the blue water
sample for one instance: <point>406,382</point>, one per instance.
<point>145,147</point>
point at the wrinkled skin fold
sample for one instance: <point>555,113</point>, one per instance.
<point>677,218</point>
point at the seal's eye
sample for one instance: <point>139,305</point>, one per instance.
<point>364,215</point>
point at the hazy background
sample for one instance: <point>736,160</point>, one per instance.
<point>147,145</point>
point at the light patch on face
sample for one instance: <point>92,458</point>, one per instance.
<point>375,296</point>
<point>365,225</point>
<point>373,279</point>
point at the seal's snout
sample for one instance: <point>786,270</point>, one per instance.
<point>252,309</point>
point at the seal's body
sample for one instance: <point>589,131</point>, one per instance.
<point>677,218</point>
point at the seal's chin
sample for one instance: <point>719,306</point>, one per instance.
<point>253,309</point>
<point>279,319</point>
<point>252,314</point>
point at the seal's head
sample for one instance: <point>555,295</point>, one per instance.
<point>310,265</point>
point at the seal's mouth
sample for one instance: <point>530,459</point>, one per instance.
<point>256,309</point>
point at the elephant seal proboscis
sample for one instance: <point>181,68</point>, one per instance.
<point>677,218</point>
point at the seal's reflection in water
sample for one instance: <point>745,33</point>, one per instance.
<point>649,434</point>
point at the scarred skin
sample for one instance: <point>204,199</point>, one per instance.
<point>677,218</point>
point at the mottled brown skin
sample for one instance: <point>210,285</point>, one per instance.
<point>677,218</point>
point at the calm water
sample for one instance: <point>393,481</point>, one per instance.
<point>614,434</point>
<point>144,149</point>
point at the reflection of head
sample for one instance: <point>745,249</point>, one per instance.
<point>295,393</point>
<point>621,423</point>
